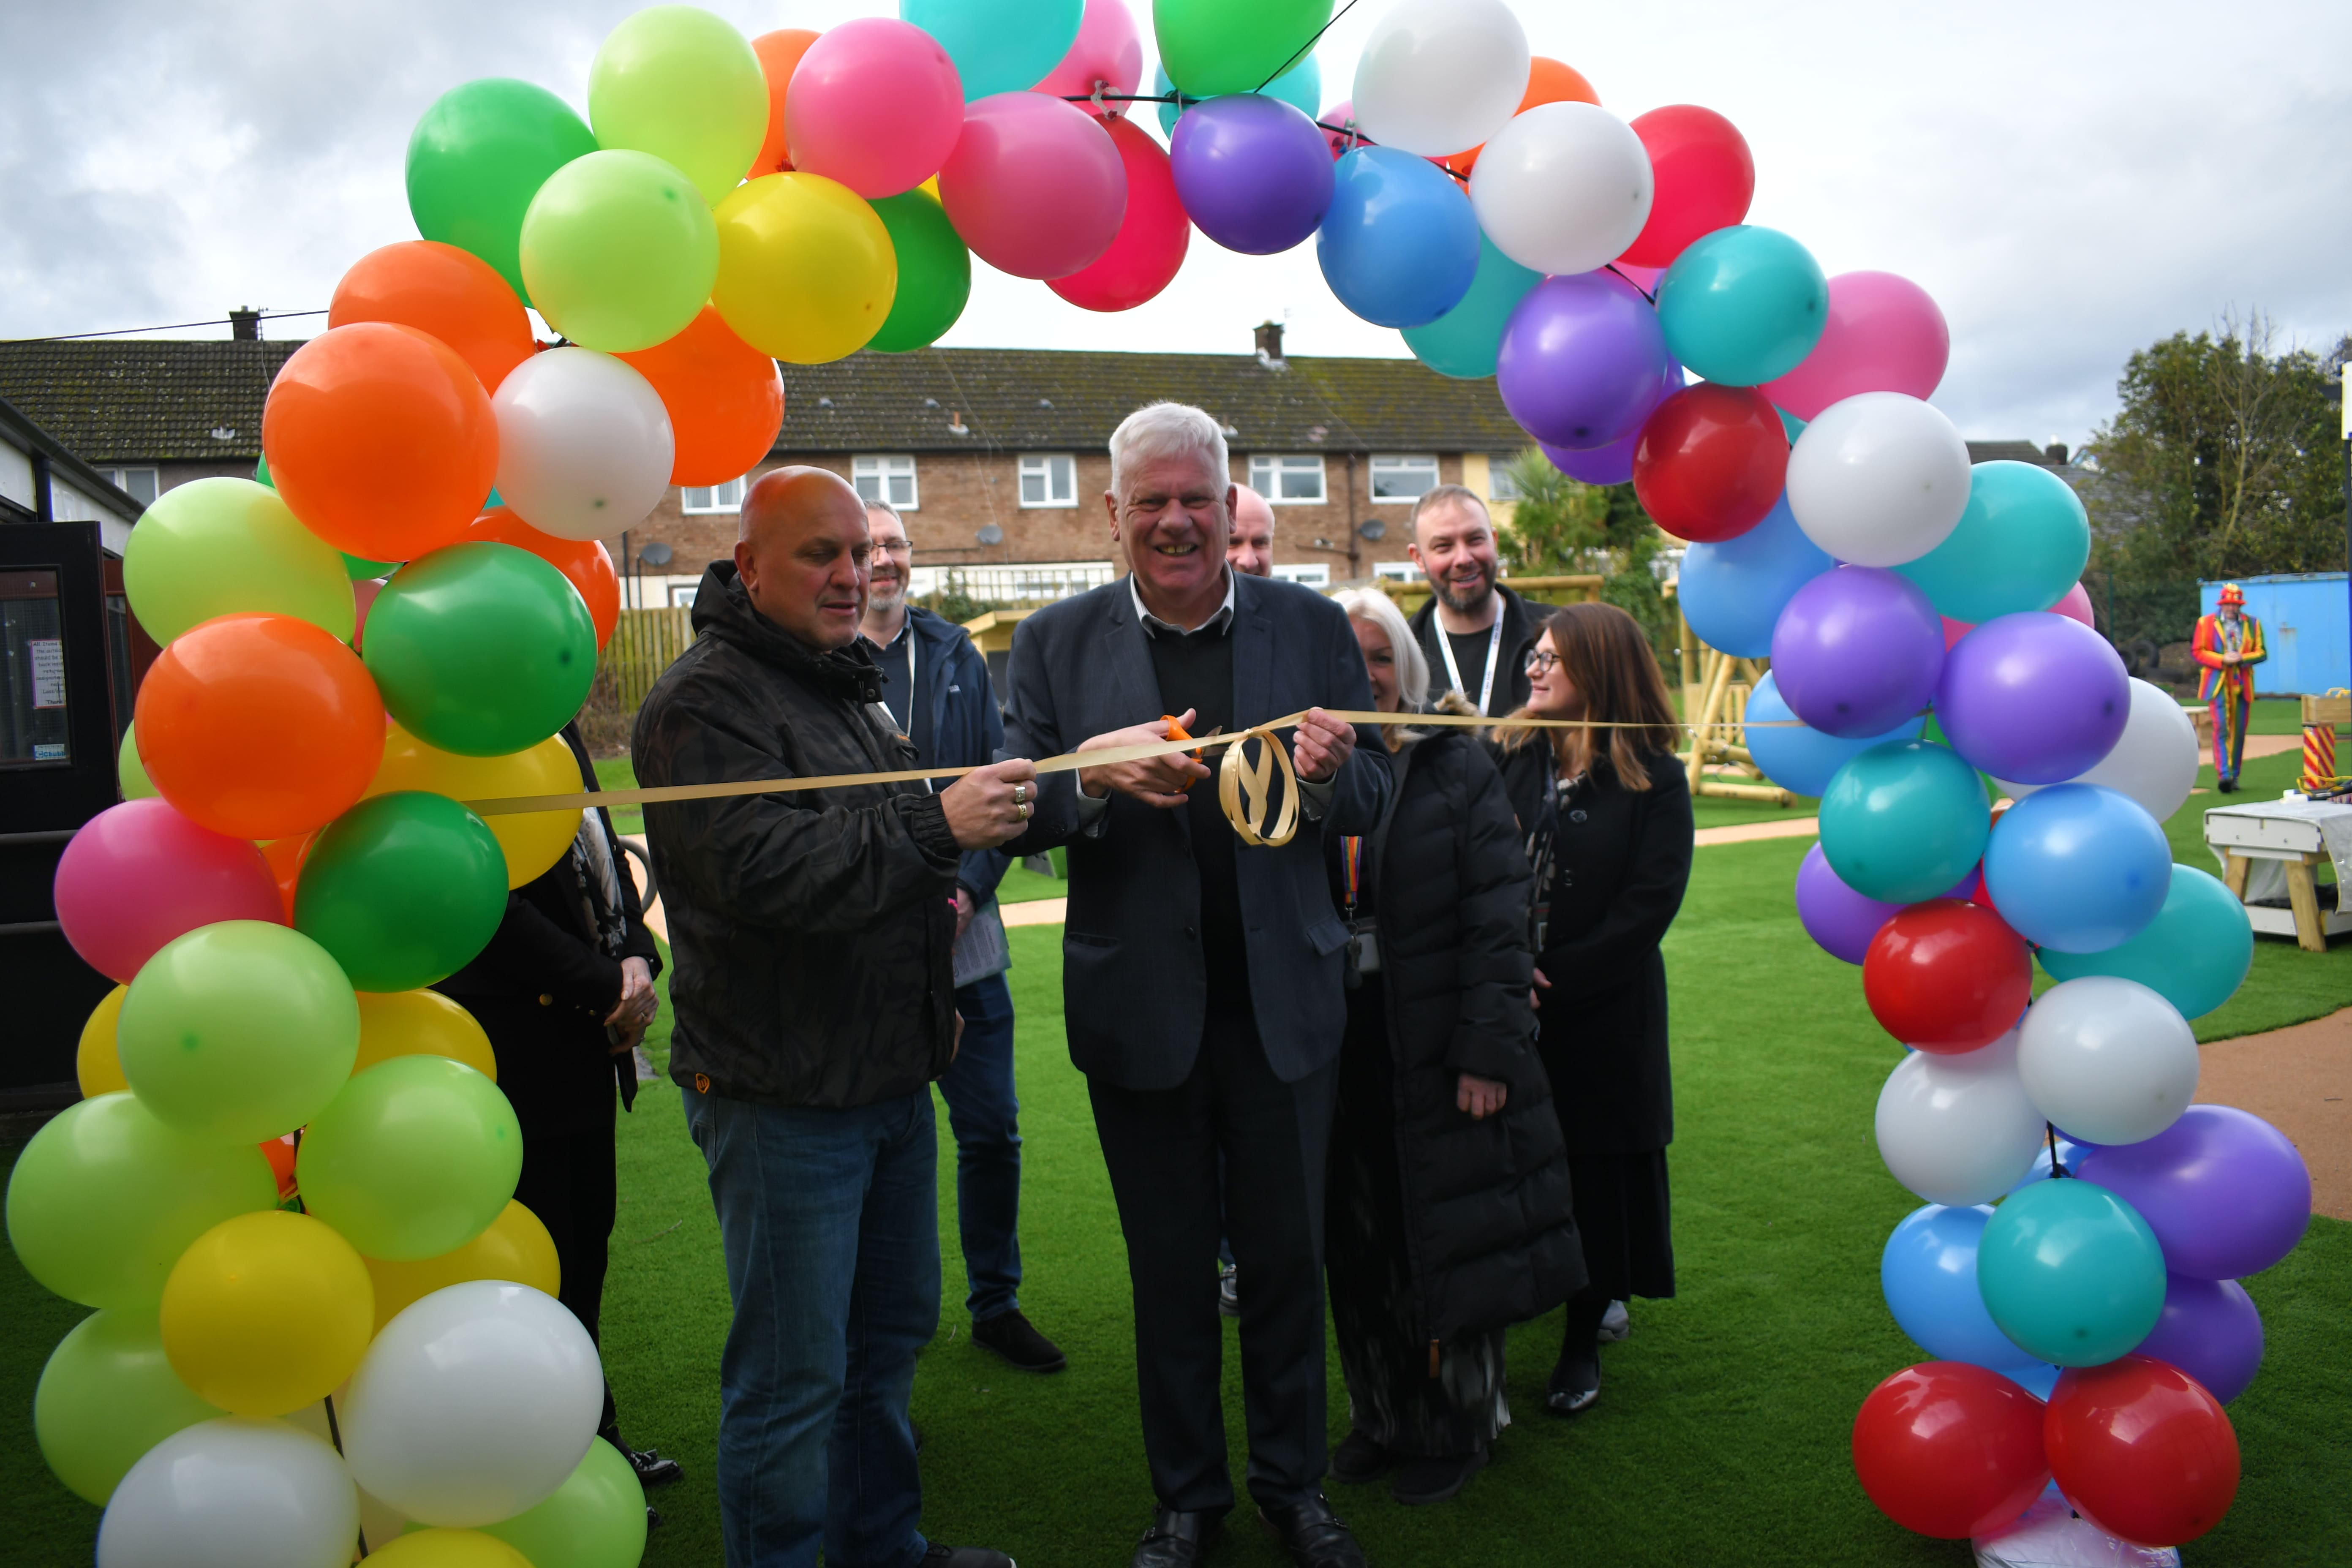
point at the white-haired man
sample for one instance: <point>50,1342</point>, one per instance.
<point>1202,982</point>
<point>1475,630</point>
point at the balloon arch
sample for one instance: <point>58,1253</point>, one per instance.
<point>289,1194</point>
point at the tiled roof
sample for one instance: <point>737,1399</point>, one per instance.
<point>2010,452</point>
<point>146,399</point>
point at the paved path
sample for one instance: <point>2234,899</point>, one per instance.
<point>2299,1080</point>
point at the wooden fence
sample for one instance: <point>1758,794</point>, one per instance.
<point>642,645</point>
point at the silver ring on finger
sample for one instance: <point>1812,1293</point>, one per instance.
<point>1020,794</point>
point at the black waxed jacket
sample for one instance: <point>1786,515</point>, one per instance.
<point>811,930</point>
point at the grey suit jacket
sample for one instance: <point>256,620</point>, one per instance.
<point>1134,979</point>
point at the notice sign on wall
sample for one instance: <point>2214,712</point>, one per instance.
<point>48,656</point>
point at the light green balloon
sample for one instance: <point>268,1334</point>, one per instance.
<point>679,83</point>
<point>215,547</point>
<point>108,1396</point>
<point>1211,47</point>
<point>238,1031</point>
<point>414,1158</point>
<point>596,1519</point>
<point>129,772</point>
<point>105,1198</point>
<point>620,251</point>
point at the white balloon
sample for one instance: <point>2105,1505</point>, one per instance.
<point>1565,188</point>
<point>2154,763</point>
<point>1960,1130</point>
<point>1877,479</point>
<point>1439,77</point>
<point>473,1404</point>
<point>233,1493</point>
<point>585,444</point>
<point>2107,1058</point>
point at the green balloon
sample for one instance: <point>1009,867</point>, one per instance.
<point>478,157</point>
<point>934,272</point>
<point>404,889</point>
<point>481,650</point>
<point>596,1519</point>
<point>261,472</point>
<point>679,83</point>
<point>414,1158</point>
<point>1215,46</point>
<point>219,546</point>
<point>238,1031</point>
<point>106,1197</point>
<point>358,568</point>
<point>129,772</point>
<point>108,1396</point>
<point>620,251</point>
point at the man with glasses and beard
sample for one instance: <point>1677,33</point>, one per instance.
<point>1475,630</point>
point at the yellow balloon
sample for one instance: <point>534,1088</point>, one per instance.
<point>532,841</point>
<point>95,1061</point>
<point>806,271</point>
<point>129,772</point>
<point>516,1248</point>
<point>267,1312</point>
<point>447,1549</point>
<point>421,1024</point>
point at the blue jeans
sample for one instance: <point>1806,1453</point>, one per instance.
<point>986,1119</point>
<point>830,1220</point>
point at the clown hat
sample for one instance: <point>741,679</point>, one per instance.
<point>2232,595</point>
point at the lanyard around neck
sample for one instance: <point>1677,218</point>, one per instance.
<point>1453,671</point>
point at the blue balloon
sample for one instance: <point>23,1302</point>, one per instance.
<point>2071,1156</point>
<point>2195,953</point>
<point>1301,87</point>
<point>1743,305</point>
<point>2038,1378</point>
<point>1929,1272</point>
<point>998,45</point>
<point>2078,868</point>
<point>2021,545</point>
<point>1733,592</point>
<point>1462,342</point>
<point>1904,821</point>
<point>1398,245</point>
<point>1801,760</point>
<point>2071,1272</point>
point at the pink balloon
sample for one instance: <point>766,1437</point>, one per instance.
<point>1106,53</point>
<point>364,594</point>
<point>1340,113</point>
<point>875,104</point>
<point>1885,335</point>
<point>139,874</point>
<point>1036,186</point>
<point>2076,607</point>
<point>1645,278</point>
<point>1955,630</point>
<point>1151,240</point>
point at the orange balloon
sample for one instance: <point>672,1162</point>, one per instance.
<point>382,440</point>
<point>286,857</point>
<point>452,294</point>
<point>586,561</point>
<point>259,726</point>
<point>725,398</point>
<point>780,55</point>
<point>1548,81</point>
<point>280,1153</point>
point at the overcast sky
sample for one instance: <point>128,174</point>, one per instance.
<point>2069,179</point>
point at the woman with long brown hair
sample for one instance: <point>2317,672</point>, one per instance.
<point>1607,812</point>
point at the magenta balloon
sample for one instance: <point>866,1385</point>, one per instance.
<point>1839,921</point>
<point>1883,334</point>
<point>1339,141</point>
<point>1105,53</point>
<point>1645,278</point>
<point>2225,1191</point>
<point>1255,173</point>
<point>2076,607</point>
<point>2034,697</point>
<point>1857,650</point>
<point>1035,186</point>
<point>1955,630</point>
<point>875,104</point>
<point>2209,1330</point>
<point>139,874</point>
<point>1582,361</point>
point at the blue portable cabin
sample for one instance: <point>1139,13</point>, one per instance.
<point>2305,624</point>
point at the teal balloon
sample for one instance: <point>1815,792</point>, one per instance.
<point>1743,306</point>
<point>2195,953</point>
<point>404,889</point>
<point>477,157</point>
<point>1791,424</point>
<point>1462,342</point>
<point>2020,545</point>
<point>1301,87</point>
<point>998,45</point>
<point>2071,1272</point>
<point>1904,821</point>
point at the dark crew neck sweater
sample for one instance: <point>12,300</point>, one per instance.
<point>1196,671</point>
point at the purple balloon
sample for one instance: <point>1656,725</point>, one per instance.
<point>1582,361</point>
<point>2212,1331</point>
<point>1839,919</point>
<point>1610,465</point>
<point>1255,173</point>
<point>1857,651</point>
<point>2225,1191</point>
<point>2034,697</point>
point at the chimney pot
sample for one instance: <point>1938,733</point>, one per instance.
<point>2056,453</point>
<point>245,325</point>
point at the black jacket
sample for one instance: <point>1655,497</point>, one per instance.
<point>1521,623</point>
<point>1489,1228</point>
<point>810,930</point>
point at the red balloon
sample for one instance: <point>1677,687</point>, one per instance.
<point>1711,462</point>
<point>2142,1450</point>
<point>1949,1450</point>
<point>1947,976</point>
<point>1152,238</point>
<point>1704,177</point>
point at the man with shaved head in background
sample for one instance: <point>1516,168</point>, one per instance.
<point>813,1006</point>
<point>1250,551</point>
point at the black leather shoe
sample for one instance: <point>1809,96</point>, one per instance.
<point>1010,1335</point>
<point>1422,1481</point>
<point>653,1468</point>
<point>940,1556</point>
<point>1178,1539</point>
<point>1358,1459</point>
<point>1313,1534</point>
<point>653,1518</point>
<point>1574,1387</point>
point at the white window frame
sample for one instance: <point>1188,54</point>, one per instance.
<point>1500,485</point>
<point>699,500</point>
<point>1268,469</point>
<point>1306,574</point>
<point>1043,467</point>
<point>1414,463</point>
<point>1396,572</point>
<point>887,476</point>
<point>120,479</point>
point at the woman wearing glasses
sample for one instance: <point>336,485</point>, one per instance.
<point>1608,817</point>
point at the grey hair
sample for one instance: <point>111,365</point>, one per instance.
<point>1166,430</point>
<point>876,503</point>
<point>1445,495</point>
<point>1413,664</point>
